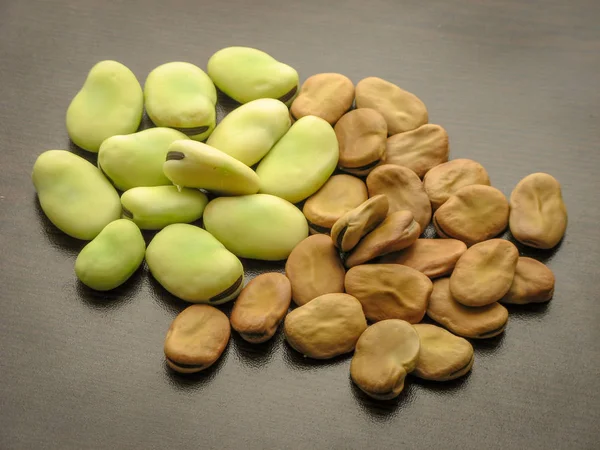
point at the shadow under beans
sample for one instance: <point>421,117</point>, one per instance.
<point>254,267</point>
<point>298,361</point>
<point>57,238</point>
<point>442,387</point>
<point>524,312</point>
<point>164,298</point>
<point>488,346</point>
<point>114,298</point>
<point>91,157</point>
<point>544,256</point>
<point>256,355</point>
<point>194,381</point>
<point>382,410</point>
<point>225,105</point>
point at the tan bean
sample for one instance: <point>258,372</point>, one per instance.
<point>533,283</point>
<point>385,353</point>
<point>538,215</point>
<point>444,180</point>
<point>403,189</point>
<point>473,214</point>
<point>420,150</point>
<point>402,110</point>
<point>389,291</point>
<point>196,338</point>
<point>325,327</point>
<point>476,323</point>
<point>443,356</point>
<point>361,135</point>
<point>399,230</point>
<point>261,307</point>
<point>314,268</point>
<point>340,194</point>
<point>325,95</point>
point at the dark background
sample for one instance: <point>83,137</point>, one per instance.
<point>516,84</point>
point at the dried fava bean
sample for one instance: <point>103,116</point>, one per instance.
<point>443,356</point>
<point>325,95</point>
<point>352,226</point>
<point>197,165</point>
<point>250,131</point>
<point>247,74</point>
<point>180,95</point>
<point>444,180</point>
<point>314,268</point>
<point>340,194</point>
<point>261,307</point>
<point>361,134</point>
<point>259,226</point>
<point>403,189</point>
<point>196,338</point>
<point>473,214</point>
<point>301,161</point>
<point>399,230</point>
<point>110,102</point>
<point>538,215</point>
<point>111,257</point>
<point>476,323</point>
<point>484,273</point>
<point>420,150</point>
<point>192,265</point>
<point>389,291</point>
<point>402,110</point>
<point>325,327</point>
<point>533,283</point>
<point>74,194</point>
<point>433,257</point>
<point>385,353</point>
<point>137,159</point>
<point>153,208</point>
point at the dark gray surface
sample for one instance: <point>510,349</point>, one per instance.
<point>516,84</point>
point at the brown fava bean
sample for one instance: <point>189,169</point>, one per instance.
<point>361,135</point>
<point>314,268</point>
<point>340,194</point>
<point>484,273</point>
<point>444,180</point>
<point>473,214</point>
<point>261,306</point>
<point>538,215</point>
<point>420,150</point>
<point>325,95</point>
<point>402,110</point>
<point>433,257</point>
<point>443,356</point>
<point>385,353</point>
<point>389,291</point>
<point>533,283</point>
<point>403,189</point>
<point>325,327</point>
<point>352,226</point>
<point>399,230</point>
<point>196,338</point>
<point>476,323</point>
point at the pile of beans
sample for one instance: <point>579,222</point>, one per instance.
<point>338,180</point>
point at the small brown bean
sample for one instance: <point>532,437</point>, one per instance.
<point>533,283</point>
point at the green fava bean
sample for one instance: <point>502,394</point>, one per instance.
<point>249,132</point>
<point>180,95</point>
<point>301,162</point>
<point>74,194</point>
<point>247,74</point>
<point>153,208</point>
<point>137,159</point>
<point>256,226</point>
<point>197,165</point>
<point>194,266</point>
<point>111,257</point>
<point>110,102</point>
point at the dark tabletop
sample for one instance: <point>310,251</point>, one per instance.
<point>516,84</point>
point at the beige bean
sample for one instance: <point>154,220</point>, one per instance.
<point>433,257</point>
<point>533,283</point>
<point>385,353</point>
<point>196,338</point>
<point>389,291</point>
<point>325,327</point>
<point>476,323</point>
<point>538,215</point>
<point>261,307</point>
<point>314,268</point>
